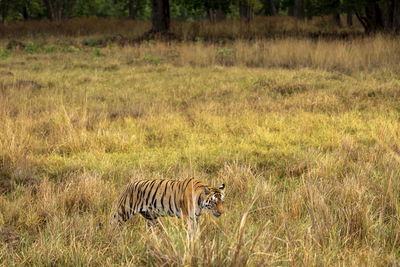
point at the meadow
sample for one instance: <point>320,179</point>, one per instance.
<point>305,133</point>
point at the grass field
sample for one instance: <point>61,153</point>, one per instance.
<point>305,135</point>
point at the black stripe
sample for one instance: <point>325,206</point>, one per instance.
<point>187,184</point>
<point>171,196</point>
<point>198,182</point>
<point>155,193</point>
<point>171,189</point>
<point>142,194</point>
<point>175,200</point>
<point>162,198</point>
<point>122,205</point>
<point>141,191</point>
<point>137,192</point>
<point>127,215</point>
<point>182,183</point>
<point>131,201</point>
<point>135,186</point>
<point>169,206</point>
<point>151,188</point>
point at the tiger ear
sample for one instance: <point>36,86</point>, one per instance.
<point>222,187</point>
<point>206,190</point>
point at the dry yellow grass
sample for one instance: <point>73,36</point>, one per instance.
<point>306,142</point>
<point>261,27</point>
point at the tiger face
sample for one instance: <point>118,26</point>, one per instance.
<point>214,200</point>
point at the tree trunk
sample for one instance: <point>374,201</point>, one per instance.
<point>250,13</point>
<point>57,10</point>
<point>242,9</point>
<point>291,11</point>
<point>272,8</point>
<point>299,9</point>
<point>131,9</point>
<point>336,19</point>
<point>246,11</point>
<point>349,19</point>
<point>374,16</point>
<point>49,8</point>
<point>396,16</point>
<point>54,9</point>
<point>220,15</point>
<point>160,16</point>
<point>363,21</point>
<point>387,14</point>
<point>25,14</point>
<point>4,11</point>
<point>372,20</point>
<point>210,15</point>
<point>69,9</point>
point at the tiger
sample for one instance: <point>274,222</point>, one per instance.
<point>159,198</point>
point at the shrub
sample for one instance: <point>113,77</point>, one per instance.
<point>32,48</point>
<point>151,59</point>
<point>5,53</point>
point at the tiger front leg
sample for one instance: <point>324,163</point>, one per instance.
<point>191,225</point>
<point>151,220</point>
<point>150,224</point>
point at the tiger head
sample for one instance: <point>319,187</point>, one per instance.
<point>214,199</point>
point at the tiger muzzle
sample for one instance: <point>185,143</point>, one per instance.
<point>217,214</point>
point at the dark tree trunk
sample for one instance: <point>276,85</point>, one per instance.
<point>160,17</point>
<point>69,9</point>
<point>363,21</point>
<point>49,12</point>
<point>54,9</point>
<point>210,15</point>
<point>372,20</point>
<point>57,11</point>
<point>246,11</point>
<point>25,14</point>
<point>349,19</point>
<point>336,13</point>
<point>391,15</point>
<point>299,9</point>
<point>291,11</point>
<point>220,15</point>
<point>387,14</point>
<point>131,9</point>
<point>336,19</point>
<point>374,16</point>
<point>4,11</point>
<point>380,16</point>
<point>242,9</point>
<point>396,16</point>
<point>272,8</point>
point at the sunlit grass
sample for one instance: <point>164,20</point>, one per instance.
<point>307,144</point>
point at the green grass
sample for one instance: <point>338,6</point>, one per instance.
<point>307,147</point>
